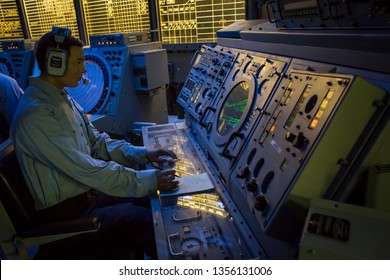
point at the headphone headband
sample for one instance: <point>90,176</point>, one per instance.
<point>60,34</point>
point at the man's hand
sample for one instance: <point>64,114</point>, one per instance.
<point>160,155</point>
<point>165,181</point>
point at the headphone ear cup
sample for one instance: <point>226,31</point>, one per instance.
<point>56,62</point>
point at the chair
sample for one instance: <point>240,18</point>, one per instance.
<point>4,129</point>
<point>19,230</point>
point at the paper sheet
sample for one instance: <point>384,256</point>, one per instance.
<point>192,184</point>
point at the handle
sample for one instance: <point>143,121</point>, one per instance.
<point>170,237</point>
<point>267,4</point>
<point>197,216</point>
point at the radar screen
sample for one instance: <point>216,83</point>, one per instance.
<point>233,108</point>
<point>195,21</point>
<point>42,15</point>
<point>91,95</point>
<point>106,17</point>
<point>11,28</point>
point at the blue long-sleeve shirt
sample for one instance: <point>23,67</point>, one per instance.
<point>62,155</point>
<point>10,93</point>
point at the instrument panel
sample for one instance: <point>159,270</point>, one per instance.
<point>195,226</point>
<point>280,132</point>
<point>210,67</point>
<point>228,123</point>
<point>17,60</point>
<point>108,87</point>
<point>286,141</point>
<point>325,14</point>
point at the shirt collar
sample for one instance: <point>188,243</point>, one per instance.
<point>49,88</point>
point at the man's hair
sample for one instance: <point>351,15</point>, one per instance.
<point>47,41</point>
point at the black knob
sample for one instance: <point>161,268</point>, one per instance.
<point>244,173</point>
<point>261,203</point>
<point>252,186</point>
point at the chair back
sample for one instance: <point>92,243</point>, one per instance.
<point>14,193</point>
<point>4,129</point>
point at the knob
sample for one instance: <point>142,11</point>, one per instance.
<point>244,173</point>
<point>252,186</point>
<point>261,203</point>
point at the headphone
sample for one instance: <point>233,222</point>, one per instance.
<point>56,59</point>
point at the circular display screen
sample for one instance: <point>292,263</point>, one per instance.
<point>6,67</point>
<point>233,108</point>
<point>91,95</point>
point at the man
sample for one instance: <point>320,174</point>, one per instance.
<point>10,94</point>
<point>73,170</point>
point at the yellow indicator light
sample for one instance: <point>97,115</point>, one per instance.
<point>330,94</point>
<point>319,114</point>
<point>324,104</point>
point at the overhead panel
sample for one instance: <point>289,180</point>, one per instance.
<point>42,15</point>
<point>190,21</point>
<point>11,27</point>
<point>113,16</point>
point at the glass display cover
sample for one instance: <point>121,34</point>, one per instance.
<point>233,108</point>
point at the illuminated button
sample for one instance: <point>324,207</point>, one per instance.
<point>186,229</point>
<point>313,124</point>
<point>319,114</point>
<point>324,104</point>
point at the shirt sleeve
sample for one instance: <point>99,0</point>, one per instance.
<point>57,149</point>
<point>106,148</point>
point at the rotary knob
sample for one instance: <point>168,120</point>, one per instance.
<point>252,186</point>
<point>261,203</point>
<point>244,173</point>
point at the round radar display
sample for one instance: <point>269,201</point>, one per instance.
<point>92,91</point>
<point>233,108</point>
<point>6,67</point>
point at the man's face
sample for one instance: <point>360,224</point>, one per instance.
<point>75,68</point>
